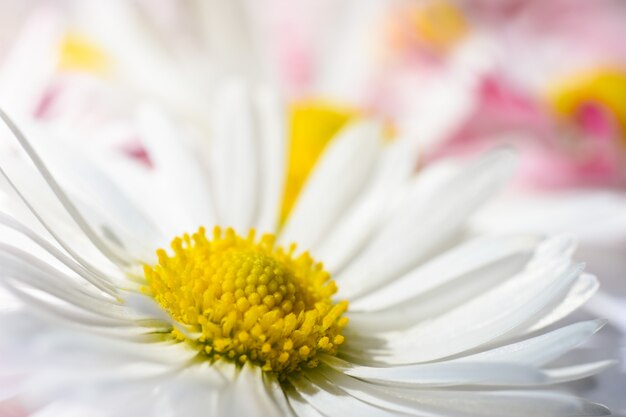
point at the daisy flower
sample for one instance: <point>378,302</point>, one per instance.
<point>367,298</point>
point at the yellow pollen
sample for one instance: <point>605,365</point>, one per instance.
<point>249,300</point>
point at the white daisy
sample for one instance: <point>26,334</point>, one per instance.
<point>406,315</point>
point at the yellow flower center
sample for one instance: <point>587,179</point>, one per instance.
<point>440,24</point>
<point>249,300</point>
<point>79,54</point>
<point>603,86</point>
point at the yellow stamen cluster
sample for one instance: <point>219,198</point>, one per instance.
<point>249,300</point>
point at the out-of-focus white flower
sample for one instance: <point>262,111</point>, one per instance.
<point>82,62</point>
<point>242,323</point>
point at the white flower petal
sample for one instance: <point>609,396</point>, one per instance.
<point>464,259</point>
<point>363,217</point>
<point>126,392</point>
<point>539,350</point>
<point>27,270</point>
<point>137,59</point>
<point>248,396</point>
<point>272,140</point>
<point>373,394</point>
<point>440,299</point>
<point>606,305</point>
<point>329,400</point>
<point>234,162</point>
<point>178,170</point>
<point>595,216</point>
<point>97,280</point>
<point>40,172</point>
<point>65,409</point>
<point>138,183</point>
<point>444,374</point>
<point>299,405</point>
<point>583,289</point>
<point>92,188</point>
<point>483,318</point>
<point>468,403</point>
<point>511,403</point>
<point>345,68</point>
<point>338,176</point>
<point>74,351</point>
<point>420,226</point>
<point>30,63</point>
<point>275,389</point>
<point>62,312</point>
<point>576,372</point>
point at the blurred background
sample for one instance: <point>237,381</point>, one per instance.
<point>456,77</point>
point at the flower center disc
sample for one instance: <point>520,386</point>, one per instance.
<point>249,300</point>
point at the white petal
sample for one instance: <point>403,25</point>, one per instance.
<point>469,403</point>
<point>439,300</point>
<point>46,307</point>
<point>344,68</point>
<point>101,200</point>
<point>444,374</point>
<point>28,67</point>
<point>248,396</point>
<point>234,164</point>
<point>594,216</point>
<point>360,221</point>
<point>542,349</point>
<point>138,59</point>
<point>583,289</point>
<point>47,182</point>
<point>508,403</point>
<point>139,183</point>
<point>273,160</point>
<point>576,372</point>
<point>182,177</point>
<point>484,318</point>
<point>373,394</point>
<point>422,225</point>
<point>97,280</point>
<point>275,389</point>
<point>29,271</point>
<point>338,176</point>
<point>75,351</point>
<point>328,399</point>
<point>464,259</point>
<point>131,392</point>
<point>465,403</point>
<point>605,305</point>
<point>299,405</point>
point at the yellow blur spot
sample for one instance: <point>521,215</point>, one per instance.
<point>79,54</point>
<point>439,23</point>
<point>313,125</point>
<point>606,87</point>
<point>249,300</point>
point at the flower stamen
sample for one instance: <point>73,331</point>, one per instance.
<point>249,299</point>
